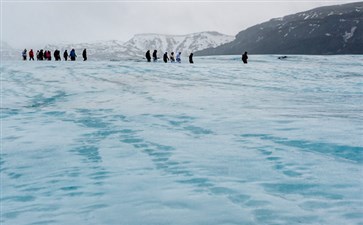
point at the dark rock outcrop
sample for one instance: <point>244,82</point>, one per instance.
<point>326,30</point>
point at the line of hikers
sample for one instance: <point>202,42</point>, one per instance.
<point>166,57</point>
<point>47,55</point>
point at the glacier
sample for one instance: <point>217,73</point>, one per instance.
<point>216,142</point>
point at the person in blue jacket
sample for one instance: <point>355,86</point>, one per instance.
<point>178,57</point>
<point>73,55</point>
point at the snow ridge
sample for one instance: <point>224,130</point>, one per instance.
<point>136,47</point>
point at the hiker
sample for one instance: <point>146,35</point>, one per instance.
<point>46,57</point>
<point>31,55</point>
<point>73,55</point>
<point>178,59</point>
<point>148,56</point>
<point>191,58</point>
<point>57,55</point>
<point>24,54</point>
<point>244,58</point>
<point>84,55</point>
<point>165,57</point>
<point>155,56</point>
<point>49,55</point>
<point>41,54</point>
<point>172,57</point>
<point>65,55</point>
<point>38,54</point>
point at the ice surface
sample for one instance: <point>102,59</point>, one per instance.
<point>217,142</point>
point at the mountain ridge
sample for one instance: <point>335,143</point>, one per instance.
<point>136,47</point>
<point>335,29</point>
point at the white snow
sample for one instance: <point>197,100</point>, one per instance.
<point>349,35</point>
<point>183,43</point>
<point>259,38</point>
<point>315,15</point>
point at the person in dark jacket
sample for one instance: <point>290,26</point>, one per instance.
<point>148,56</point>
<point>155,55</point>
<point>57,55</point>
<point>172,57</point>
<point>24,54</point>
<point>84,55</point>
<point>244,58</point>
<point>165,57</point>
<point>41,54</point>
<point>73,55</point>
<point>65,55</point>
<point>191,58</point>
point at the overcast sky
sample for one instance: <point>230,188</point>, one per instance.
<point>33,24</point>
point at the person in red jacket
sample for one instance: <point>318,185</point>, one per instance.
<point>31,55</point>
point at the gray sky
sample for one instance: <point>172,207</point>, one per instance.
<point>33,24</point>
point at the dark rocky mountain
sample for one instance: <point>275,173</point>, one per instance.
<point>334,29</point>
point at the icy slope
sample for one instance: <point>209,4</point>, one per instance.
<point>217,142</point>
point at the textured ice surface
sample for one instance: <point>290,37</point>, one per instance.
<point>217,142</point>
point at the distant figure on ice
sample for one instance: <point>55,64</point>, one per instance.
<point>191,58</point>
<point>84,55</point>
<point>148,56</point>
<point>38,54</point>
<point>46,56</point>
<point>282,57</point>
<point>178,59</point>
<point>172,57</point>
<point>73,55</point>
<point>165,57</point>
<point>49,55</point>
<point>24,54</point>
<point>65,55</point>
<point>41,55</point>
<point>244,58</point>
<point>155,56</point>
<point>31,55</point>
<point>57,55</point>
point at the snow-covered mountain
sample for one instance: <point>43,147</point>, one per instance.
<point>95,50</point>
<point>9,53</point>
<point>136,47</point>
<point>336,29</point>
<point>140,43</point>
